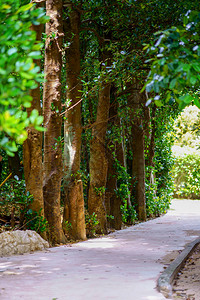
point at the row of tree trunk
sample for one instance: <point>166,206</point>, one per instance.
<point>45,171</point>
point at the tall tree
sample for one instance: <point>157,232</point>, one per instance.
<point>98,159</point>
<point>74,200</point>
<point>137,102</point>
<point>53,120</point>
<point>32,147</point>
<point>114,145</point>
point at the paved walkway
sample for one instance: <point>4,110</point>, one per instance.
<point>124,265</point>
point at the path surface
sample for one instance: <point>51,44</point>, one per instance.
<point>124,265</point>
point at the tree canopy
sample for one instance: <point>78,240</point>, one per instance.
<point>105,157</point>
<point>175,65</point>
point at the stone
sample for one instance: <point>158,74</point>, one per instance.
<point>19,242</point>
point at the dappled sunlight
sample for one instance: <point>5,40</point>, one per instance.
<point>26,266</point>
<point>5,265</point>
<point>20,268</point>
<point>44,258</point>
<point>103,243</point>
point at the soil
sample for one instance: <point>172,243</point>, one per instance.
<point>187,283</point>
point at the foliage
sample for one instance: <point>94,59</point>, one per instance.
<point>67,227</point>
<point>100,191</point>
<point>186,128</point>
<point>129,215</point>
<point>175,65</point>
<point>157,203</point>
<point>187,176</point>
<point>15,199</point>
<point>123,180</point>
<point>18,72</point>
<point>34,221</point>
<point>159,189</point>
<point>91,223</point>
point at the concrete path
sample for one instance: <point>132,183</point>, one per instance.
<point>124,265</point>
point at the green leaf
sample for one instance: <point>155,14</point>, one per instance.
<point>196,67</point>
<point>172,83</point>
<point>158,103</point>
<point>26,75</point>
<point>12,51</point>
<point>197,102</point>
<point>186,67</point>
<point>27,104</point>
<point>193,80</point>
<point>186,98</point>
<point>35,54</point>
<point>25,8</point>
<point>156,87</point>
<point>182,105</point>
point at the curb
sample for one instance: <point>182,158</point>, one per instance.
<point>168,275</point>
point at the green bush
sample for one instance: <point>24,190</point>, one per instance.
<point>187,176</point>
<point>15,201</point>
<point>159,191</point>
<point>91,223</point>
<point>129,215</point>
<point>18,72</point>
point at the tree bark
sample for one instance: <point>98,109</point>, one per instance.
<point>32,147</point>
<point>137,101</point>
<point>113,202</point>
<point>98,160</point>
<point>152,138</point>
<point>53,121</point>
<point>74,200</point>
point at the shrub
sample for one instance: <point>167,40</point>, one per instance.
<point>187,176</point>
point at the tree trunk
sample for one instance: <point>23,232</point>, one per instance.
<point>74,200</point>
<point>121,157</point>
<point>32,147</point>
<point>15,165</point>
<point>98,160</point>
<point>137,101</point>
<point>113,202</point>
<point>53,120</point>
<point>152,138</point>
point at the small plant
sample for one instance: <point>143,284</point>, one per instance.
<point>67,226</point>
<point>76,176</point>
<point>110,217</point>
<point>129,215</point>
<point>34,221</point>
<point>100,191</point>
<point>16,201</point>
<point>91,224</point>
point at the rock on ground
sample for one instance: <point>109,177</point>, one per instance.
<point>19,242</point>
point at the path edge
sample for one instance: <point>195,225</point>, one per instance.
<point>165,279</point>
